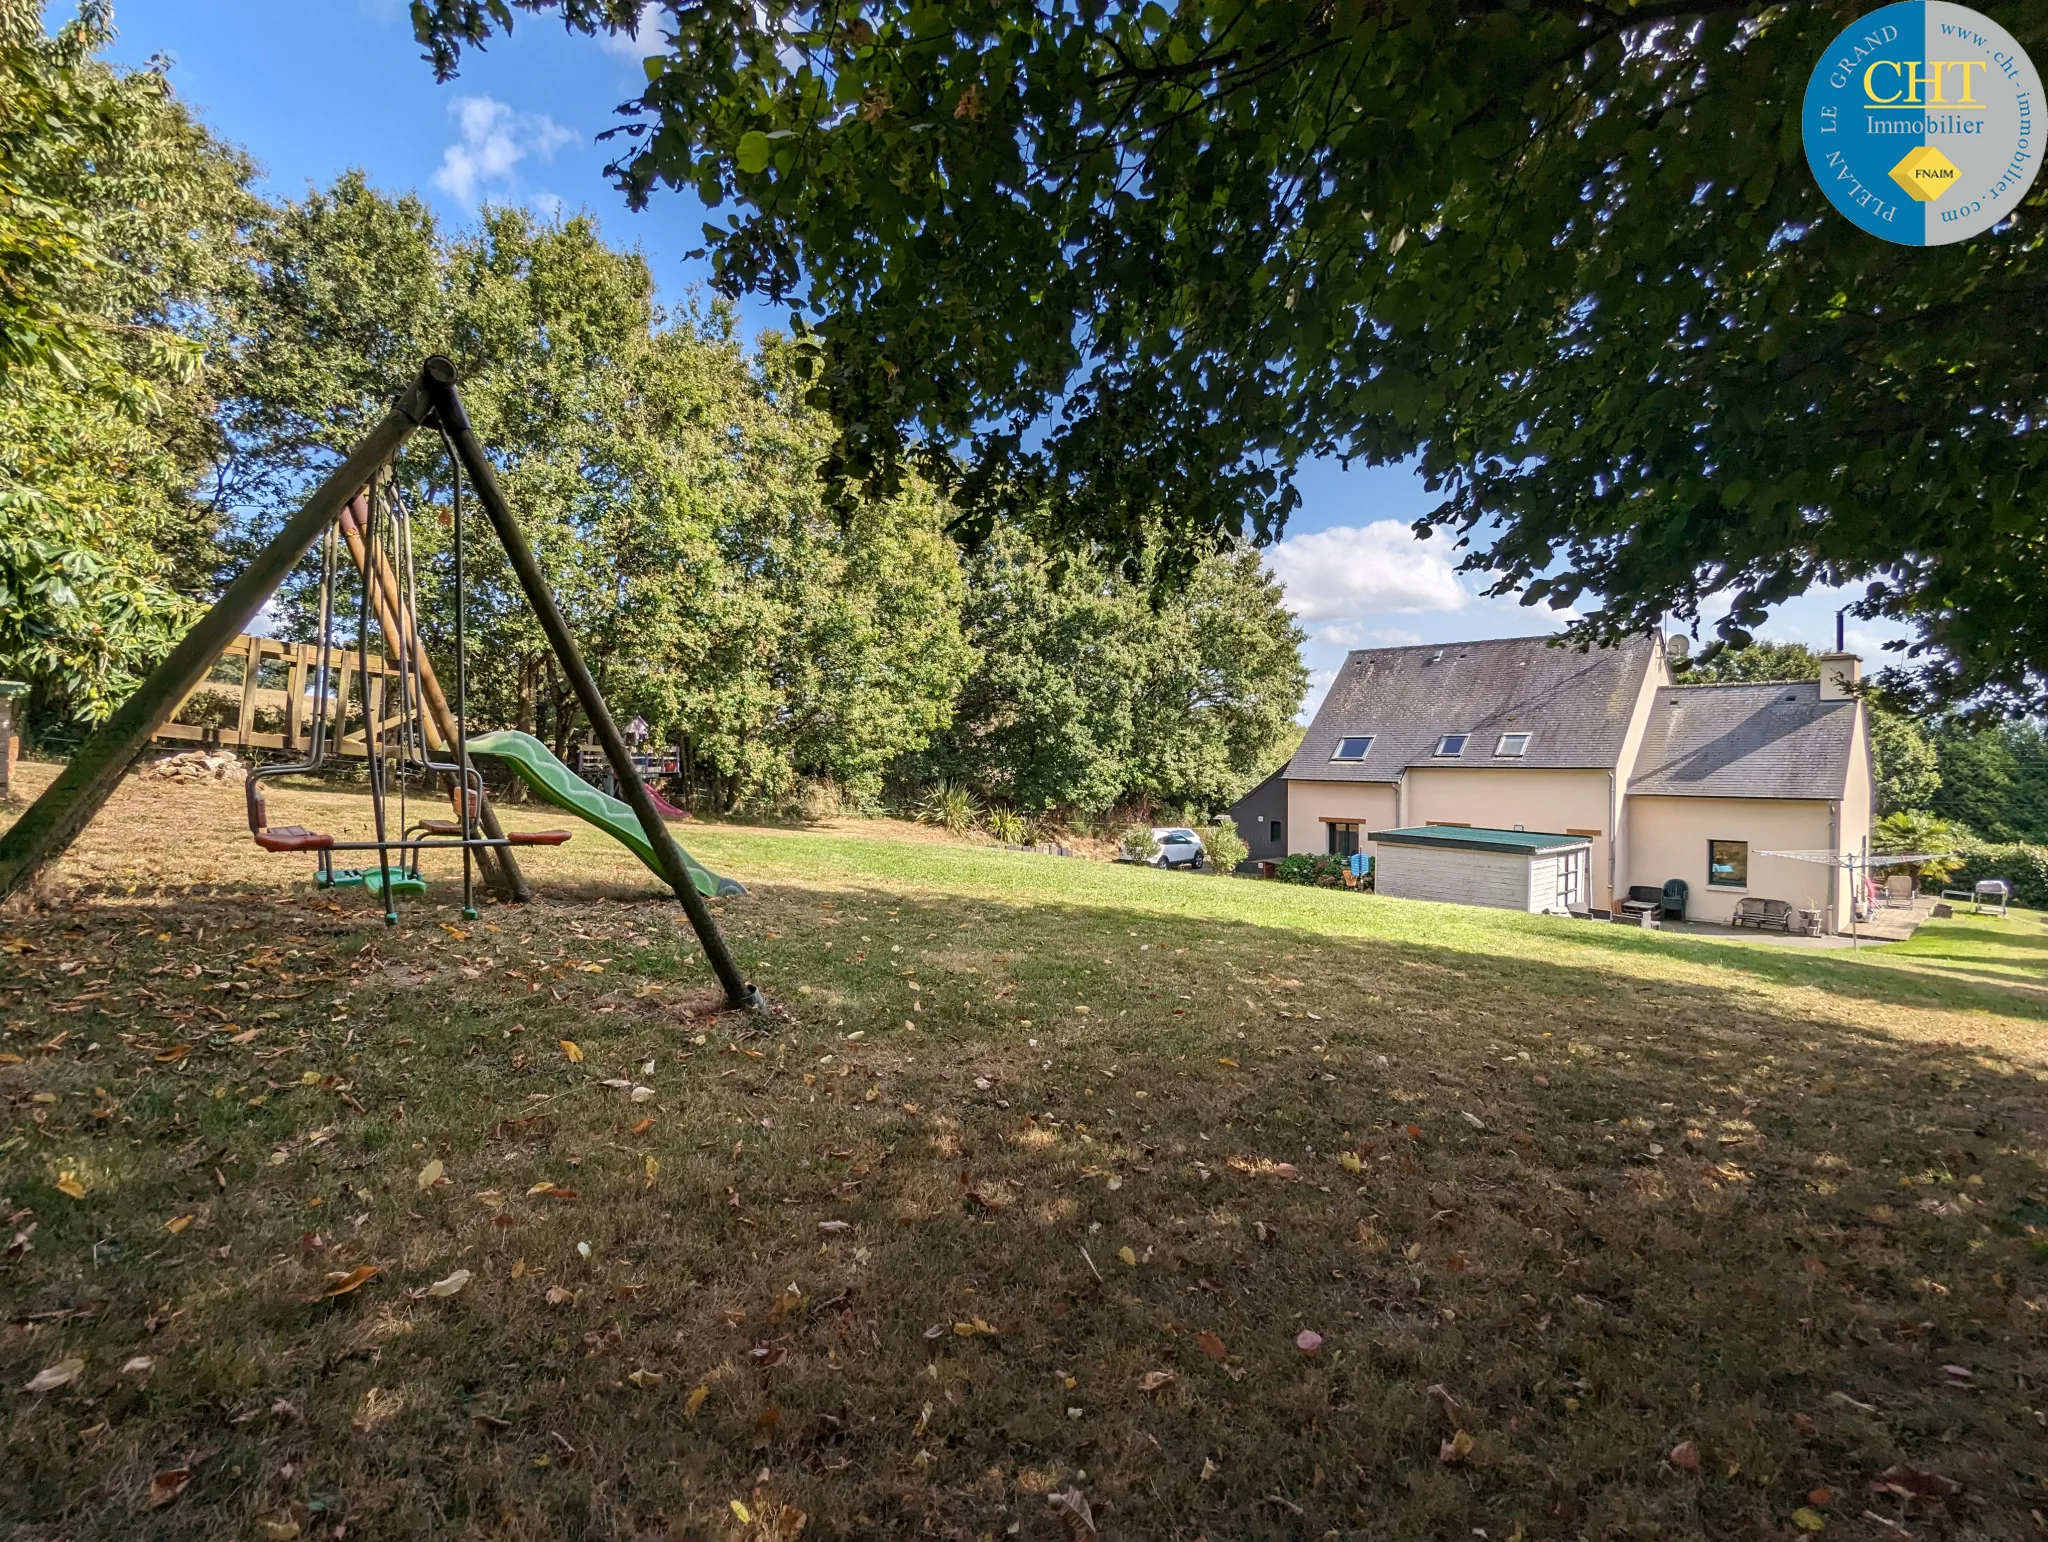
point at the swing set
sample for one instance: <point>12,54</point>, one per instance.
<point>427,740</point>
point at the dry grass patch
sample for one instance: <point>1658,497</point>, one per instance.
<point>1587,1238</point>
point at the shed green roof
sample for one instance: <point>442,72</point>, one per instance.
<point>1462,838</point>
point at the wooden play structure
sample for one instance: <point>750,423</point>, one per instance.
<point>248,714</point>
<point>411,733</point>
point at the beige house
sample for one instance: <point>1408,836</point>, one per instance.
<point>1662,781</point>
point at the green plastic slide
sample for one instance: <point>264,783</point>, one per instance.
<point>555,783</point>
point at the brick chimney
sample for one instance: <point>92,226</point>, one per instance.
<point>1839,674</point>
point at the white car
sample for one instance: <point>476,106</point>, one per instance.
<point>1178,847</point>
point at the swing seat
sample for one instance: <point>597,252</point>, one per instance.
<point>512,837</point>
<point>404,880</point>
<point>292,838</point>
<point>408,883</point>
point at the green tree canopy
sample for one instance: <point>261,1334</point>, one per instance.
<point>1091,690</point>
<point>1117,269</point>
<point>118,214</point>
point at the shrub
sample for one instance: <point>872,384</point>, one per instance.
<point>1911,831</point>
<point>1322,871</point>
<point>818,799</point>
<point>1225,848</point>
<point>1007,826</point>
<point>950,806</point>
<point>1140,844</point>
<point>2023,866</point>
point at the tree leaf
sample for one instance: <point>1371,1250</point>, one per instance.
<point>51,1377</point>
<point>752,157</point>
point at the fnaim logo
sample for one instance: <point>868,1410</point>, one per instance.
<point>1922,123</point>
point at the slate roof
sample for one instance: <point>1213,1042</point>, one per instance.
<point>1467,838</point>
<point>1745,741</point>
<point>1574,706</point>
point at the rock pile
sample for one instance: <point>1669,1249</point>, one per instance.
<point>197,766</point>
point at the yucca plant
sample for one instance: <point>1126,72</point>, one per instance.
<point>1008,826</point>
<point>950,806</point>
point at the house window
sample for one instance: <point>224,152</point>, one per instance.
<point>1352,748</point>
<point>1512,746</point>
<point>1728,864</point>
<point>1277,837</point>
<point>1452,744</point>
<point>1343,840</point>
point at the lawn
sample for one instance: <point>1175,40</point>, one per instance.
<point>1055,1198</point>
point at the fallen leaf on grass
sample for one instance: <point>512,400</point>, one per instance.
<point>168,1485</point>
<point>993,1193</point>
<point>835,1228</point>
<point>174,1054</point>
<point>646,1378</point>
<point>1152,1381</point>
<point>1071,1507</point>
<point>246,1036</point>
<point>454,1285</point>
<point>1455,1450</point>
<point>430,1174</point>
<point>573,1050</point>
<point>765,1425</point>
<point>1212,1344</point>
<point>968,1329</point>
<point>550,1190</point>
<point>1686,1455</point>
<point>1820,1498</point>
<point>177,1223</point>
<point>746,1516</point>
<point>339,1284</point>
<point>138,1365</point>
<point>1914,1483</point>
<point>278,1526</point>
<point>1806,1518</point>
<point>67,1183</point>
<point>695,1400</point>
<point>642,1127</point>
<point>642,1094</point>
<point>51,1377</point>
<point>1308,1341</point>
<point>1130,1258</point>
<point>560,1296</point>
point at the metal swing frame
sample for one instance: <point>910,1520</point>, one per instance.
<point>54,820</point>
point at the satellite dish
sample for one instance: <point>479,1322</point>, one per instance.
<point>1679,648</point>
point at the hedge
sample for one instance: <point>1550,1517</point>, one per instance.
<point>2023,866</point>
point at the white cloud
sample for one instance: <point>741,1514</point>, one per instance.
<point>1349,571</point>
<point>1394,636</point>
<point>495,139</point>
<point>642,42</point>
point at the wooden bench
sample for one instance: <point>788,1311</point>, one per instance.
<point>1762,913</point>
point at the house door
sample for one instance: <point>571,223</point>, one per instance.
<point>1574,870</point>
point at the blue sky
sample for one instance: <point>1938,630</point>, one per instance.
<point>313,87</point>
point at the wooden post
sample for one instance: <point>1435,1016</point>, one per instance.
<point>245,718</point>
<point>294,696</point>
